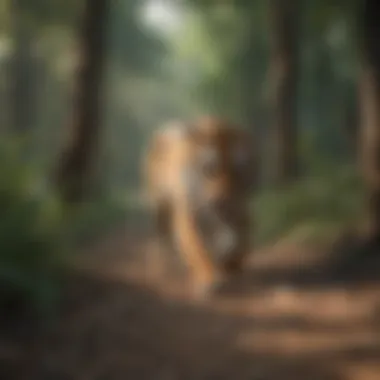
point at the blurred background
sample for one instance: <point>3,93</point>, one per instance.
<point>83,83</point>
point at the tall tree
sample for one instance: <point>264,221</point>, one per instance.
<point>75,169</point>
<point>370,111</point>
<point>283,78</point>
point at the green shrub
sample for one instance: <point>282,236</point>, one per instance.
<point>316,206</point>
<point>38,233</point>
<point>30,232</point>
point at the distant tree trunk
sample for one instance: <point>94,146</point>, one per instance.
<point>370,112</point>
<point>283,77</point>
<point>75,170</point>
<point>350,123</point>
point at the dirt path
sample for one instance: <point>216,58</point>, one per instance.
<point>281,320</point>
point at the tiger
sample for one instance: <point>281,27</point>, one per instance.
<point>199,179</point>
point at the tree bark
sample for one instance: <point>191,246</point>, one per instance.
<point>76,165</point>
<point>370,112</point>
<point>283,77</point>
<point>350,123</point>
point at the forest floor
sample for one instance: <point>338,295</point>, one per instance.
<point>294,314</point>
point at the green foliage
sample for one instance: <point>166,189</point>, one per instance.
<point>95,219</point>
<point>221,45</point>
<point>130,44</point>
<point>43,13</point>
<point>30,242</point>
<point>315,207</point>
<point>38,234</point>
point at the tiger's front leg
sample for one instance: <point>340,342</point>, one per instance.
<point>207,275</point>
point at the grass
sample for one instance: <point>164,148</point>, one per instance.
<point>311,209</point>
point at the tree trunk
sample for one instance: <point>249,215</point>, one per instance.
<point>283,86</point>
<point>74,173</point>
<point>370,112</point>
<point>350,124</point>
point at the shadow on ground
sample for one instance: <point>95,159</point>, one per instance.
<point>348,263</point>
<point>120,331</point>
<point>276,326</point>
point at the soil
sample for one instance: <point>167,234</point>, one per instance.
<point>294,314</point>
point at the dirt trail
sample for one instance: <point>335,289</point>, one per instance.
<point>282,319</point>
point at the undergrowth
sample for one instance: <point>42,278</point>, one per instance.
<point>31,248</point>
<point>38,236</point>
<point>311,209</point>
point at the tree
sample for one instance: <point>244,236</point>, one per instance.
<point>74,172</point>
<point>283,74</point>
<point>370,112</point>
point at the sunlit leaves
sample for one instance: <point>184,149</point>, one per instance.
<point>130,42</point>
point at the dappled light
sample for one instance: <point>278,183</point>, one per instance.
<point>189,190</point>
